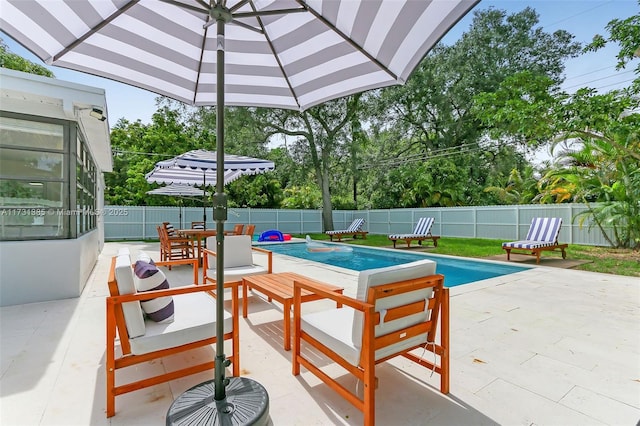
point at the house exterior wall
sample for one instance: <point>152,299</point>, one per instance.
<point>51,224</point>
<point>42,270</point>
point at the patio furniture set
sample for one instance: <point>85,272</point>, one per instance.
<point>185,243</point>
<point>396,310</point>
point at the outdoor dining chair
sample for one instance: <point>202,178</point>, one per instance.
<point>174,247</point>
<point>249,230</point>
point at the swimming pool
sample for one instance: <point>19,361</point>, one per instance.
<point>455,271</point>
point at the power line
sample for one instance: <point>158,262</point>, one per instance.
<point>440,153</point>
<point>598,79</point>
<point>590,72</point>
<point>149,154</point>
<point>579,13</point>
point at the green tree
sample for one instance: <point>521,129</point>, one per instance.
<point>432,116</point>
<point>600,164</point>
<point>319,132</point>
<point>16,62</point>
<point>520,188</point>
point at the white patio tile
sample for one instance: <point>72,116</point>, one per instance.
<point>544,346</point>
<point>600,407</point>
<point>523,407</point>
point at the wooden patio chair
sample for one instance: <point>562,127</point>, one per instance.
<point>197,225</point>
<point>142,339</point>
<point>397,310</point>
<point>238,259</point>
<point>237,230</point>
<point>249,230</point>
<point>176,247</point>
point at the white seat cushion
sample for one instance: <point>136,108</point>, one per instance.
<point>330,328</point>
<point>195,319</point>
<point>236,274</point>
<point>237,251</point>
<point>238,258</point>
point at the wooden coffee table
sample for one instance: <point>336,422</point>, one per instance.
<point>279,287</point>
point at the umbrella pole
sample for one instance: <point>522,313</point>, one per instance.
<point>204,198</point>
<point>247,401</point>
<point>220,215</point>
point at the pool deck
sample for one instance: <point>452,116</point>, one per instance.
<point>546,346</point>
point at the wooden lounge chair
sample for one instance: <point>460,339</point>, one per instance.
<point>396,310</point>
<point>354,229</point>
<point>542,236</point>
<point>144,337</point>
<point>422,232</point>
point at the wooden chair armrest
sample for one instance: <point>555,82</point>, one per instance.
<point>337,297</point>
<point>145,295</point>
<point>260,249</point>
<point>269,254</point>
<point>181,239</point>
<point>209,251</point>
<point>193,261</point>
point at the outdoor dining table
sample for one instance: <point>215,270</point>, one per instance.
<point>197,236</point>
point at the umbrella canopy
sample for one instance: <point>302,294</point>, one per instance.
<point>199,167</point>
<point>278,53</point>
<point>178,190</point>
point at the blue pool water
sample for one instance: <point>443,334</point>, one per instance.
<point>455,271</point>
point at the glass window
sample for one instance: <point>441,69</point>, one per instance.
<point>22,164</point>
<point>31,209</point>
<point>31,134</point>
<point>34,195</point>
<point>85,189</point>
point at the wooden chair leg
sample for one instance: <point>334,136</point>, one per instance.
<point>444,341</point>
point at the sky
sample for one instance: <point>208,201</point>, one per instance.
<point>582,18</point>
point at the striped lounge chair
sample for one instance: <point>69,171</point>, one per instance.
<point>421,232</point>
<point>542,235</point>
<point>354,229</point>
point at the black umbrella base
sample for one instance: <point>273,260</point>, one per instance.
<point>247,403</point>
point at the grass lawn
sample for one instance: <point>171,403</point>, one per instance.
<point>602,259</point>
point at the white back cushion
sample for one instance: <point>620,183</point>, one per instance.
<point>132,311</point>
<point>237,251</point>
<point>375,277</point>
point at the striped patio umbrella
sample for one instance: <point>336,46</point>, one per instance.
<point>273,53</point>
<point>200,167</point>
